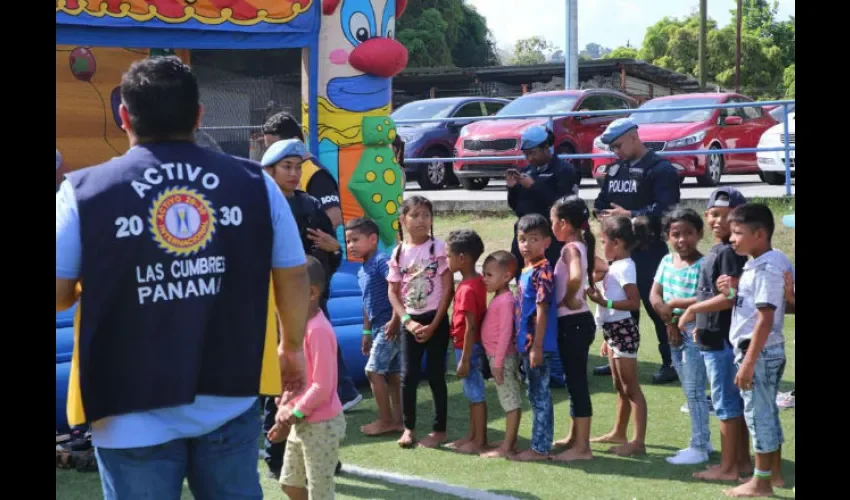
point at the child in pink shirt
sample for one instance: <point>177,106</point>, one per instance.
<point>497,335</point>
<point>312,420</point>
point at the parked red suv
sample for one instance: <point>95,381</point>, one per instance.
<point>501,137</point>
<point>687,131</point>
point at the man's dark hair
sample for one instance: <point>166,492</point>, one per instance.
<point>284,126</point>
<point>534,222</point>
<point>755,216</point>
<point>162,98</point>
<point>316,272</point>
<point>467,242</point>
<point>363,225</point>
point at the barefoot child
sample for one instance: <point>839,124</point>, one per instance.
<point>312,420</point>
<point>380,326</point>
<point>537,330</point>
<point>420,291</point>
<point>618,297</point>
<point>675,289</point>
<point>713,316</point>
<point>756,335</point>
<point>497,335</point>
<point>576,326</point>
<point>470,303</point>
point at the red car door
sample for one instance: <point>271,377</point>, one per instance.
<point>731,136</point>
<point>756,121</point>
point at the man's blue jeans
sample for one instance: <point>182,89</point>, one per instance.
<point>220,465</point>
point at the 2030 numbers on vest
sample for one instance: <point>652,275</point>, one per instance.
<point>134,226</point>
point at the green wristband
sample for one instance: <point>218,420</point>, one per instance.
<point>610,304</point>
<point>367,333</point>
<point>732,294</point>
<point>405,319</point>
<point>298,413</point>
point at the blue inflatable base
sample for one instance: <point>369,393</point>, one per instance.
<point>346,311</point>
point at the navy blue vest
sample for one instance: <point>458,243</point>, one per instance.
<point>630,186</point>
<point>175,272</point>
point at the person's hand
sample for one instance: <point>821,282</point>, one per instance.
<point>292,375</point>
<point>744,377</point>
<point>725,283</point>
<point>604,349</point>
<point>463,369</point>
<point>595,295</point>
<point>526,181</point>
<point>674,336</point>
<point>323,240</point>
<point>278,433</point>
<point>789,287</point>
<point>510,179</point>
<point>614,211</point>
<point>498,375</point>
<point>535,358</point>
<point>665,312</point>
<point>687,317</point>
<point>366,344</point>
<point>284,415</point>
<point>413,326</point>
<point>425,332</point>
<point>391,329</point>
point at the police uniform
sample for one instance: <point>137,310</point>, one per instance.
<point>648,187</point>
<point>552,181</point>
<point>155,327</point>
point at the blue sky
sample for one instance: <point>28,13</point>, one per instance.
<point>610,23</point>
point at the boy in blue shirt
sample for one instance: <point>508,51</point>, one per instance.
<point>537,330</point>
<point>380,326</point>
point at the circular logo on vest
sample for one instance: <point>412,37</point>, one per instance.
<point>182,221</point>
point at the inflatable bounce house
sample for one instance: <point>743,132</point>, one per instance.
<point>349,56</point>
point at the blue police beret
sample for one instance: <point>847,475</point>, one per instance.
<point>788,220</point>
<point>616,129</point>
<point>533,137</point>
<point>283,149</point>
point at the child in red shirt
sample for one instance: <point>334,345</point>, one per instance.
<point>470,303</point>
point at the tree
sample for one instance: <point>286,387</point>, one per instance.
<point>594,51</point>
<point>533,50</point>
<point>788,78</point>
<point>622,53</point>
<point>446,33</point>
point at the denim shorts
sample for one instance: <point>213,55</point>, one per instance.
<point>725,396</point>
<point>385,356</point>
<point>473,384</point>
<point>760,410</point>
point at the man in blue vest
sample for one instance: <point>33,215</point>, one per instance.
<point>641,183</point>
<point>180,248</point>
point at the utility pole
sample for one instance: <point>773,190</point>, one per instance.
<point>571,46</point>
<point>702,28</point>
<point>738,47</point>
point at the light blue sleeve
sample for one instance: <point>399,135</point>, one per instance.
<point>69,248</point>
<point>287,250</point>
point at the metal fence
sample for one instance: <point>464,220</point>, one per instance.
<point>786,148</point>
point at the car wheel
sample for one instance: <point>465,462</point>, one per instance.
<point>434,175</point>
<point>773,178</point>
<point>713,169</point>
<point>475,183</point>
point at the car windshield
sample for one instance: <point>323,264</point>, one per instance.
<point>421,110</point>
<point>664,115</point>
<point>539,105</point>
<point>777,112</point>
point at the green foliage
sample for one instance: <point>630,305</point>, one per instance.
<point>440,33</point>
<point>622,53</point>
<point>532,50</point>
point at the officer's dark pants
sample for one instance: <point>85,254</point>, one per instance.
<point>646,263</point>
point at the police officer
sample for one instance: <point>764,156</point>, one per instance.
<point>641,183</point>
<point>175,244</point>
<point>535,188</point>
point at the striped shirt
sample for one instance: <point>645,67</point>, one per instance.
<point>677,283</point>
<point>372,278</point>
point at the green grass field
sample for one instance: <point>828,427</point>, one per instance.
<point>606,477</point>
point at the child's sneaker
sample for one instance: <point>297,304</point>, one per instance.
<point>785,400</point>
<point>688,456</point>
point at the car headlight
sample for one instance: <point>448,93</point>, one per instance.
<point>687,140</point>
<point>598,144</point>
<point>464,131</point>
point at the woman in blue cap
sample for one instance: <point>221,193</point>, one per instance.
<point>535,188</point>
